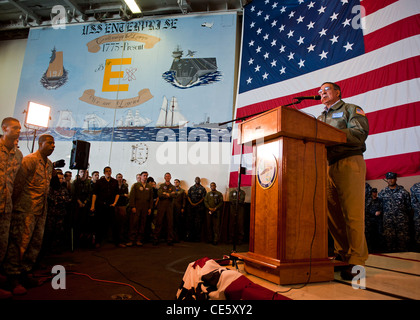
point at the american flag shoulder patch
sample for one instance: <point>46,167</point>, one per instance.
<point>360,111</point>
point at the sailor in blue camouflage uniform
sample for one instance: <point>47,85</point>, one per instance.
<point>415,203</point>
<point>196,210</point>
<point>396,208</point>
<point>373,221</point>
<point>58,198</point>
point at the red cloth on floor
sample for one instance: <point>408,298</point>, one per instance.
<point>244,289</point>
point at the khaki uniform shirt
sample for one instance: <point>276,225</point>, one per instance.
<point>352,120</point>
<point>10,162</point>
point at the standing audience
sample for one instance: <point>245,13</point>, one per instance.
<point>166,194</point>
<point>120,212</point>
<point>82,217</point>
<point>396,209</point>
<point>104,199</point>
<point>141,205</point>
<point>415,204</point>
<point>373,221</point>
<point>195,213</point>
<point>58,198</point>
<point>179,209</point>
<point>10,162</point>
<point>213,202</point>
<point>27,226</point>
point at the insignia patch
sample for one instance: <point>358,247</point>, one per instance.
<point>360,111</point>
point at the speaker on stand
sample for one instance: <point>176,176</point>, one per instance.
<point>79,159</point>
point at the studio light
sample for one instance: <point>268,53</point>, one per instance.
<point>133,6</point>
<point>37,115</point>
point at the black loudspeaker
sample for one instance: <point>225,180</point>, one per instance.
<point>79,157</point>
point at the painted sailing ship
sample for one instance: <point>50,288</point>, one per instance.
<point>65,124</point>
<point>133,122</point>
<point>93,124</point>
<point>170,116</point>
<point>56,74</point>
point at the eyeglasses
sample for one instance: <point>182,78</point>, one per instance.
<point>325,89</point>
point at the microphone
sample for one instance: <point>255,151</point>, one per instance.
<point>308,98</point>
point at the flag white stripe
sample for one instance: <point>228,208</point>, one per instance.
<point>379,99</point>
<point>246,162</point>
<point>390,14</point>
<point>393,143</point>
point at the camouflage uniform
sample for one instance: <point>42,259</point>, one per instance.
<point>214,200</point>
<point>29,213</point>
<point>396,207</point>
<point>10,162</point>
<point>54,235</point>
<point>415,203</point>
<point>373,224</point>
<point>81,190</point>
<point>195,214</point>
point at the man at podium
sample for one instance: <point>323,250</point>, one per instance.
<point>346,178</point>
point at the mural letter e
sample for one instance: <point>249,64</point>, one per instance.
<point>109,74</point>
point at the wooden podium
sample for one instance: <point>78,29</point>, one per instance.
<point>288,222</point>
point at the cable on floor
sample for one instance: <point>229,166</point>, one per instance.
<point>110,281</point>
<point>120,272</point>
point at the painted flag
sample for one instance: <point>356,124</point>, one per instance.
<point>370,48</point>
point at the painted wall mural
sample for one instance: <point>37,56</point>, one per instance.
<point>147,94</point>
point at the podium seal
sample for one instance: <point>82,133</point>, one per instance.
<point>267,171</point>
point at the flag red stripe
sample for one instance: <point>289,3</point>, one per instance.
<point>396,31</point>
<point>407,164</point>
<point>396,72</point>
<point>393,73</point>
<point>400,117</point>
<point>246,180</point>
<point>375,5</point>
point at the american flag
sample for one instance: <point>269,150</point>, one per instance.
<point>370,48</point>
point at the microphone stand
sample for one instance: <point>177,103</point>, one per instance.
<point>241,170</point>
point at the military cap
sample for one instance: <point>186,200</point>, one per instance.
<point>391,175</point>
